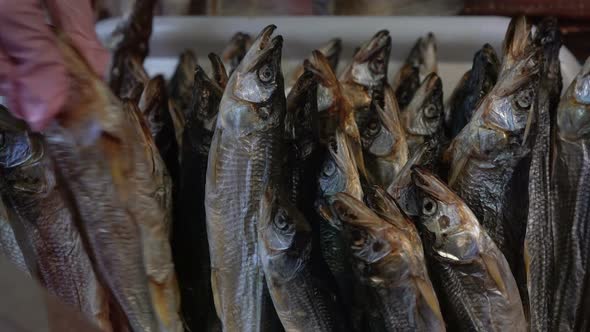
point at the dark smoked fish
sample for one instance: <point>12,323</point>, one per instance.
<point>236,50</point>
<point>243,159</point>
<point>93,146</point>
<point>389,262</point>
<point>570,192</point>
<point>539,243</point>
<point>190,243</point>
<point>181,84</point>
<point>302,301</point>
<point>474,86</point>
<point>471,276</point>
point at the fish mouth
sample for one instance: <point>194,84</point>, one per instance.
<point>431,85</point>
<point>381,42</point>
<point>431,185</point>
<point>517,41</point>
<point>238,44</point>
<point>263,47</point>
<point>320,66</point>
<point>489,54</point>
<point>152,95</point>
<point>333,48</point>
<point>353,212</point>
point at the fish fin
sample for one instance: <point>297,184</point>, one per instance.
<point>429,296</point>
<point>494,271</point>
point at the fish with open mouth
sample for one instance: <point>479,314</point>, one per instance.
<point>489,158</point>
<point>302,300</point>
<point>389,262</point>
<point>366,77</point>
<point>569,192</point>
<point>423,122</point>
<point>236,50</point>
<point>244,158</point>
<point>421,61</point>
<point>190,231</point>
<point>93,146</point>
<point>31,191</point>
<point>473,87</point>
<point>331,50</point>
<point>472,278</point>
<point>385,150</point>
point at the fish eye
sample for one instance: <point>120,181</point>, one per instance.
<point>372,128</point>
<point>524,99</point>
<point>428,207</point>
<point>358,240</point>
<point>430,111</point>
<point>377,65</point>
<point>266,73</point>
<point>264,112</point>
<point>281,221</point>
<point>329,168</point>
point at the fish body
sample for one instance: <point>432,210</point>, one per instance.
<point>190,233</point>
<point>539,243</point>
<point>152,211</point>
<point>474,86</point>
<point>64,267</point>
<point>421,61</point>
<point>93,144</point>
<point>366,77</point>
<point>489,158</point>
<point>388,261</point>
<point>471,276</point>
<point>570,173</point>
<point>302,300</point>
<point>423,122</point>
<point>243,158</point>
<point>9,245</point>
<point>385,150</point>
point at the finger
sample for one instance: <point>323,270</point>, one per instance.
<point>76,19</point>
<point>39,79</point>
<point>6,68</point>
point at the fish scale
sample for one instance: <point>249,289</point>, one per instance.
<point>240,171</point>
<point>9,246</point>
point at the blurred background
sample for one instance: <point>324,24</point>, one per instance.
<point>573,14</point>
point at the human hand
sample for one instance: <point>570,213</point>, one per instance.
<point>33,76</point>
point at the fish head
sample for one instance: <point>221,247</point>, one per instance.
<point>484,72</point>
<point>370,62</point>
<point>423,55</point>
<point>284,233</point>
<point>424,115</point>
<point>254,99</point>
<point>332,51</point>
<point>339,171</point>
<point>219,71</point>
<point>449,225</point>
<point>302,118</point>
<point>205,102</point>
<point>154,104</point>
<point>235,51</point>
<point>385,206</point>
<point>182,79</point>
<point>573,113</point>
<point>379,249</point>
<point>17,145</point>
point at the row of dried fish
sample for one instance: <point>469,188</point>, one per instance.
<point>351,204</point>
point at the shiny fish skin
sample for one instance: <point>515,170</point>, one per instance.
<point>471,276</point>
<point>423,122</point>
<point>129,43</point>
<point>302,301</point>
<point>64,267</point>
<point>236,50</point>
<point>421,61</point>
<point>366,77</point>
<point>490,158</point>
<point>385,149</point>
<point>539,242</point>
<point>474,86</point>
<point>93,148</point>
<point>190,243</point>
<point>389,263</point>
<point>569,189</point>
<point>243,158</point>
<point>152,210</point>
<point>9,246</point>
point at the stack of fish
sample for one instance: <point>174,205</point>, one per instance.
<point>218,203</point>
